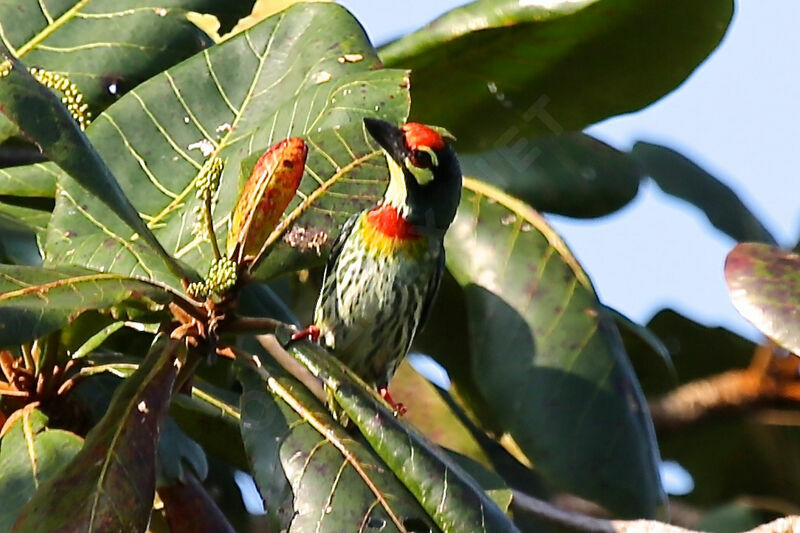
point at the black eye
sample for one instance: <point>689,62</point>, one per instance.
<point>421,159</point>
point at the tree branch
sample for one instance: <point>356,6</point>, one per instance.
<point>770,381</point>
<point>547,512</point>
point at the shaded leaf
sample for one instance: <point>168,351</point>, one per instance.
<point>110,484</point>
<point>189,509</point>
<point>36,301</point>
<point>694,349</point>
<point>228,102</point>
<point>44,120</point>
<point>30,453</point>
<point>535,68</point>
<point>546,359</point>
<point>336,482</point>
<point>764,282</point>
<point>431,415</point>
<point>211,417</point>
<point>572,174</point>
<point>491,483</point>
<point>176,451</point>
<point>22,227</point>
<point>448,494</point>
<point>107,47</point>
<point>684,179</point>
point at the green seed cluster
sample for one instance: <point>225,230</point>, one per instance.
<point>220,279</point>
<point>208,180</point>
<point>72,97</point>
<point>207,185</point>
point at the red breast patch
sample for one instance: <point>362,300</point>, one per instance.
<point>390,223</point>
<point>417,135</point>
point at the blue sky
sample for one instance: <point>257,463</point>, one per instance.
<point>736,116</point>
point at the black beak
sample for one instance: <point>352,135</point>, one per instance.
<point>388,136</point>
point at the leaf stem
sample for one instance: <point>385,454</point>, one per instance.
<point>27,356</point>
<point>209,221</point>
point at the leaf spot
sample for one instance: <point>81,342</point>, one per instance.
<point>322,76</point>
<point>142,407</point>
<point>204,145</point>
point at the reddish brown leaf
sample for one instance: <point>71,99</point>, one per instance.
<point>764,282</point>
<point>268,191</point>
<point>190,509</point>
<point>110,484</point>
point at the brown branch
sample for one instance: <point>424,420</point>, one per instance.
<point>547,512</point>
<point>244,324</point>
<point>770,381</point>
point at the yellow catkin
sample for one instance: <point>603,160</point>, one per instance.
<point>221,277</point>
<point>72,98</point>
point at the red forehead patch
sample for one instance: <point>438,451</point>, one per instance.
<point>417,135</point>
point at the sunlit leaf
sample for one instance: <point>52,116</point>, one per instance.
<point>336,482</point>
<point>496,71</point>
<point>448,494</point>
<point>44,120</point>
<point>107,47</point>
<point>544,357</point>
<point>279,79</point>
<point>110,484</point>
<point>30,453</point>
<point>36,301</point>
<point>764,282</point>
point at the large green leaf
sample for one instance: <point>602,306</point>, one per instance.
<point>42,117</point>
<point>680,177</point>
<point>454,500</point>
<point>571,174</point>
<point>30,453</point>
<point>287,76</point>
<point>764,282</point>
<point>336,482</point>
<point>106,47</point>
<point>36,301</point>
<point>493,71</point>
<point>110,484</point>
<point>545,359</point>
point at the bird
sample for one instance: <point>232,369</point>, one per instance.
<point>386,264</point>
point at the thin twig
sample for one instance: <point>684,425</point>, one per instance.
<point>209,221</point>
<point>244,324</point>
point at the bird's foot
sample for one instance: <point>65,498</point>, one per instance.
<point>399,408</point>
<point>311,333</point>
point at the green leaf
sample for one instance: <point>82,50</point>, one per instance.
<point>30,453</point>
<point>110,484</point>
<point>337,482</point>
<point>44,120</point>
<point>572,174</point>
<point>236,99</point>
<point>764,282</point>
<point>429,413</point>
<point>23,224</point>
<point>175,452</point>
<point>513,69</point>
<point>36,301</point>
<point>692,349</point>
<point>680,177</point>
<point>491,483</point>
<point>190,509</point>
<point>545,358</point>
<point>38,180</point>
<point>103,42</point>
<point>448,494</point>
<point>211,417</point>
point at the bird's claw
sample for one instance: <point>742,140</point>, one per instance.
<point>399,408</point>
<point>311,333</point>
